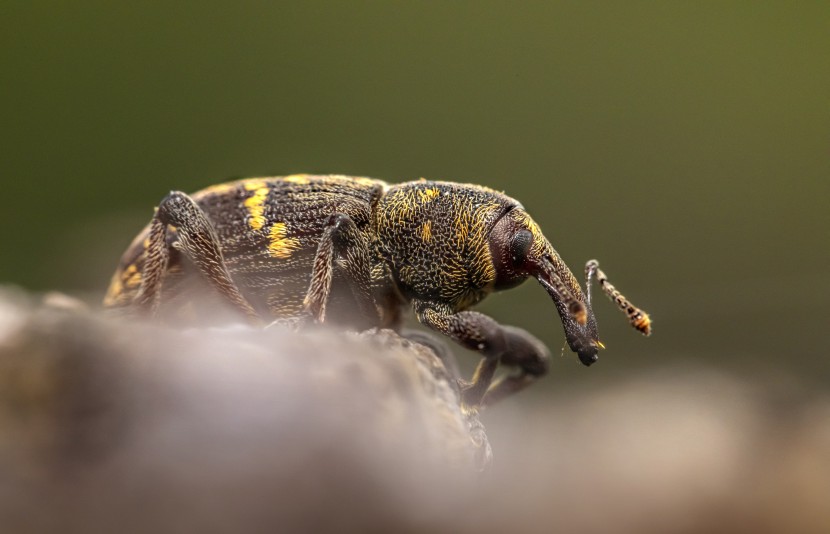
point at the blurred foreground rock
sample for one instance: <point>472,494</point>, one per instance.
<point>114,427</point>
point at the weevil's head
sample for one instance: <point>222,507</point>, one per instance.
<point>519,251</point>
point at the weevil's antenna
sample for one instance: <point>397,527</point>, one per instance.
<point>590,270</point>
<point>637,317</point>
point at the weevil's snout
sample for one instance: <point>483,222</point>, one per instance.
<point>582,339</point>
<point>520,251</point>
<point>586,349</point>
<point>574,309</point>
<point>587,357</point>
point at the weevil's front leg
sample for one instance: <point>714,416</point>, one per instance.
<point>345,247</point>
<point>527,353</point>
<point>497,343</point>
<point>197,240</point>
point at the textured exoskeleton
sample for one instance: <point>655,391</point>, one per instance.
<point>355,252</point>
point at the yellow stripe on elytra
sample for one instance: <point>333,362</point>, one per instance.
<point>299,179</point>
<point>281,246</point>
<point>255,204</point>
<point>115,290</point>
<point>131,277</point>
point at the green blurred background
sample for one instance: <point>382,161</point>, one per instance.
<point>686,145</point>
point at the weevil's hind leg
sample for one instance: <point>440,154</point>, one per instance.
<point>637,317</point>
<point>341,240</point>
<point>496,343</point>
<point>197,240</point>
<point>155,265</point>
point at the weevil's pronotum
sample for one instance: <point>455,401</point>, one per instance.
<point>356,252</point>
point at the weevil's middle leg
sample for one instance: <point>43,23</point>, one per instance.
<point>197,240</point>
<point>342,241</point>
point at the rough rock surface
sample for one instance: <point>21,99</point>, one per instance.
<point>113,426</point>
<point>107,426</point>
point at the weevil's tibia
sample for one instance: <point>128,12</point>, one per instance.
<point>197,240</point>
<point>636,317</point>
<point>149,295</point>
<point>341,239</point>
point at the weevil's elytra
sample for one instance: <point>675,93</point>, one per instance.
<point>357,252</point>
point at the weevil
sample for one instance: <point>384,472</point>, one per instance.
<point>357,252</point>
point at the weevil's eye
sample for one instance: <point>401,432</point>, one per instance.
<point>520,246</point>
<point>510,246</point>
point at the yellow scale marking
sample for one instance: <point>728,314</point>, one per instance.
<point>426,231</point>
<point>132,277</point>
<point>299,179</point>
<point>407,202</point>
<point>280,245</point>
<point>427,195</point>
<point>114,291</point>
<point>255,204</point>
<point>462,223</point>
